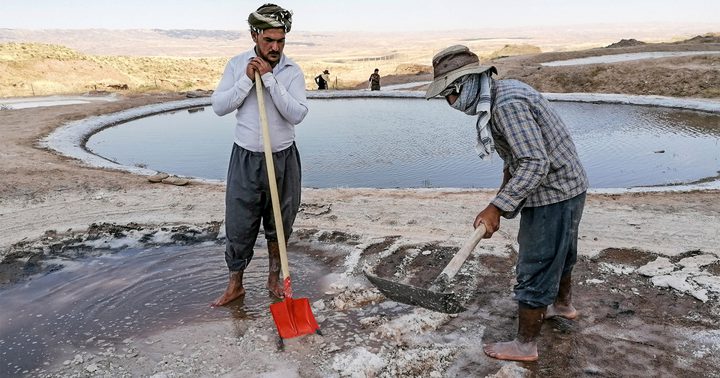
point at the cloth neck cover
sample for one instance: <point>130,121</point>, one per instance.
<point>474,99</point>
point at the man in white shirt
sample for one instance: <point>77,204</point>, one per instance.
<point>247,200</point>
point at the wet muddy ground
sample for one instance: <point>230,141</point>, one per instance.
<point>627,326</point>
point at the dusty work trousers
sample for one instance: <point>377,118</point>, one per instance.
<point>548,249</point>
<point>248,201</point>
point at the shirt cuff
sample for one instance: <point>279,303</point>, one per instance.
<point>509,207</point>
<point>244,83</point>
<point>268,79</point>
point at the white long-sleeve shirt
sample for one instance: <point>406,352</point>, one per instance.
<point>285,102</point>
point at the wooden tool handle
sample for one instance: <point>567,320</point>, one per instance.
<point>454,265</point>
<point>275,197</point>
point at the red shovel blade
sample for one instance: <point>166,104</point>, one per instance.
<point>293,317</point>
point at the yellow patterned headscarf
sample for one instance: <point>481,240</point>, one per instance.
<point>270,16</point>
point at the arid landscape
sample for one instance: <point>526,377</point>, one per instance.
<point>43,63</point>
<point>647,285</point>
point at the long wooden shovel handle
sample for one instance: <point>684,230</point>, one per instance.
<point>275,197</point>
<point>454,265</point>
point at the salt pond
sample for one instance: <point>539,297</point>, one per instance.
<point>615,58</point>
<point>401,142</point>
<point>40,101</point>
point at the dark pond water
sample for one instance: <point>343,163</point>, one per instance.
<point>93,303</point>
<point>388,143</point>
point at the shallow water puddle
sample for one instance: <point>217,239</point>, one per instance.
<point>100,301</point>
<point>615,58</point>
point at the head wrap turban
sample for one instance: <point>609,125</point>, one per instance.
<point>270,16</point>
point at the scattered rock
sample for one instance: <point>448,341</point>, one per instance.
<point>680,283</point>
<point>319,305</point>
<point>118,86</point>
<point>711,283</point>
<point>174,180</point>
<point>511,371</point>
<point>315,209</point>
<point>199,93</point>
<point>358,362</point>
<point>694,263</point>
<point>158,177</point>
<point>660,266</point>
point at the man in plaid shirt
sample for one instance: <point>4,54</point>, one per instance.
<point>543,180</point>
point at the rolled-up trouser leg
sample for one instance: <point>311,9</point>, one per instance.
<point>248,201</point>
<point>548,249</point>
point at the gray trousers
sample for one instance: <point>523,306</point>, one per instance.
<point>548,249</point>
<point>248,202</point>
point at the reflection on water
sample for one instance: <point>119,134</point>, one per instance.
<point>387,143</point>
<point>98,302</point>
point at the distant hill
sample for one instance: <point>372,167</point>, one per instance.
<point>197,34</point>
<point>137,42</point>
<point>626,43</point>
<point>28,69</point>
<point>707,38</point>
<point>513,50</point>
<point>42,62</point>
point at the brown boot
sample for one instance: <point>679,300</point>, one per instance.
<point>234,289</point>
<point>273,283</point>
<point>563,302</point>
<point>524,347</point>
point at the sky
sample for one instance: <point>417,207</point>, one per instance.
<point>350,15</point>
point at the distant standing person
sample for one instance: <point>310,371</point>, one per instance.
<point>322,80</point>
<point>543,180</point>
<point>247,197</point>
<point>375,80</point>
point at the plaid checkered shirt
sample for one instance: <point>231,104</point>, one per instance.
<point>536,148</point>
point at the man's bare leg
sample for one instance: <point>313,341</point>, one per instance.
<point>524,347</point>
<point>273,283</point>
<point>234,290</point>
<point>563,303</point>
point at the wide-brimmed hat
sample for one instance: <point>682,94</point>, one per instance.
<point>450,64</point>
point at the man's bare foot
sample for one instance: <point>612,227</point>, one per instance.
<point>234,290</point>
<point>228,296</point>
<point>567,312</point>
<point>562,306</point>
<point>512,351</point>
